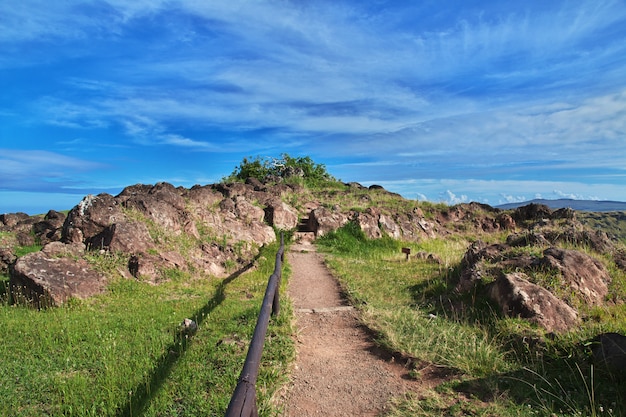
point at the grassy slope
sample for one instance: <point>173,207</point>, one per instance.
<point>121,353</point>
<point>502,366</point>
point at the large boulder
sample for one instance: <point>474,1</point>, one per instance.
<point>368,221</point>
<point>531,212</point>
<point>518,297</point>
<point>322,220</point>
<point>584,274</point>
<point>50,228</point>
<point>281,215</point>
<point>90,217</point>
<point>44,281</point>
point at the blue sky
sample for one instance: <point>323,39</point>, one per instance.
<point>451,101</point>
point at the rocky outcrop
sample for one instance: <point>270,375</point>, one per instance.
<point>280,215</point>
<point>50,228</point>
<point>214,228</point>
<point>46,281</point>
<point>323,220</point>
<point>89,219</point>
<point>7,257</point>
<point>124,236</point>
<point>585,275</point>
<point>368,221</point>
<point>518,297</point>
<point>585,278</point>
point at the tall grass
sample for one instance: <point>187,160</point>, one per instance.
<point>122,354</point>
<point>502,366</point>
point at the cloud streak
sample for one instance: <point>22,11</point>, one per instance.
<point>385,92</point>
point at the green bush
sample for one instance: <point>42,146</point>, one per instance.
<point>286,166</point>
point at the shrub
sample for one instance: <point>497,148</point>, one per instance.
<point>286,166</point>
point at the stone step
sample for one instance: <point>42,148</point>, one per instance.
<point>304,236</point>
<point>303,226</point>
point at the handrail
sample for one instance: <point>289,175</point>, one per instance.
<point>243,401</point>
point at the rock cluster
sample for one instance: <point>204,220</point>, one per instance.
<point>581,279</point>
<point>217,228</point>
<point>212,229</point>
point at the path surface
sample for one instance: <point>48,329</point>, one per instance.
<point>337,372</point>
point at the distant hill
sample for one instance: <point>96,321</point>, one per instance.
<point>581,205</point>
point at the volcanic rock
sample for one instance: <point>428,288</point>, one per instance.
<point>44,281</point>
<point>580,271</point>
<point>518,297</point>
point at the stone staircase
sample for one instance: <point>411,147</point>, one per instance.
<point>304,232</point>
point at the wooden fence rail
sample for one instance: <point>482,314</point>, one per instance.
<point>243,401</point>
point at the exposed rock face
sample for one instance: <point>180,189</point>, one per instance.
<point>323,220</point>
<point>281,215</point>
<point>368,222</point>
<point>58,249</point>
<point>50,228</point>
<point>45,281</point>
<point>125,236</point>
<point>90,217</point>
<point>518,297</point>
<point>162,203</point>
<point>584,274</point>
<point>207,228</point>
<point>389,226</point>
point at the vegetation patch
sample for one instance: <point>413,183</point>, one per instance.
<point>121,353</point>
<point>502,366</point>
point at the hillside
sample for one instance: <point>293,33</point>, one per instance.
<point>117,267</point>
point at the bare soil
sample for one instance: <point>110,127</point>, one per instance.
<point>339,370</point>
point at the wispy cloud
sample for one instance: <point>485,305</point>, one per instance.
<point>387,92</point>
<point>40,170</point>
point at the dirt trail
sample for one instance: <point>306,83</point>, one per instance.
<point>338,371</point>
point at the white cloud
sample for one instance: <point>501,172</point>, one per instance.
<point>39,169</point>
<point>454,191</point>
<point>450,198</point>
<point>574,196</point>
<point>513,198</point>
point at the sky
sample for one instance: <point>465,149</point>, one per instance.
<point>445,101</point>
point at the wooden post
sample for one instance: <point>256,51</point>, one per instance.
<point>407,252</point>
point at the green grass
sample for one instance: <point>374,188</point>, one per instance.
<point>500,366</point>
<point>121,353</point>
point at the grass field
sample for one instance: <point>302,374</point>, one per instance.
<point>121,353</point>
<point>501,366</point>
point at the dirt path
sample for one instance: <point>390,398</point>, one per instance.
<point>337,372</point>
